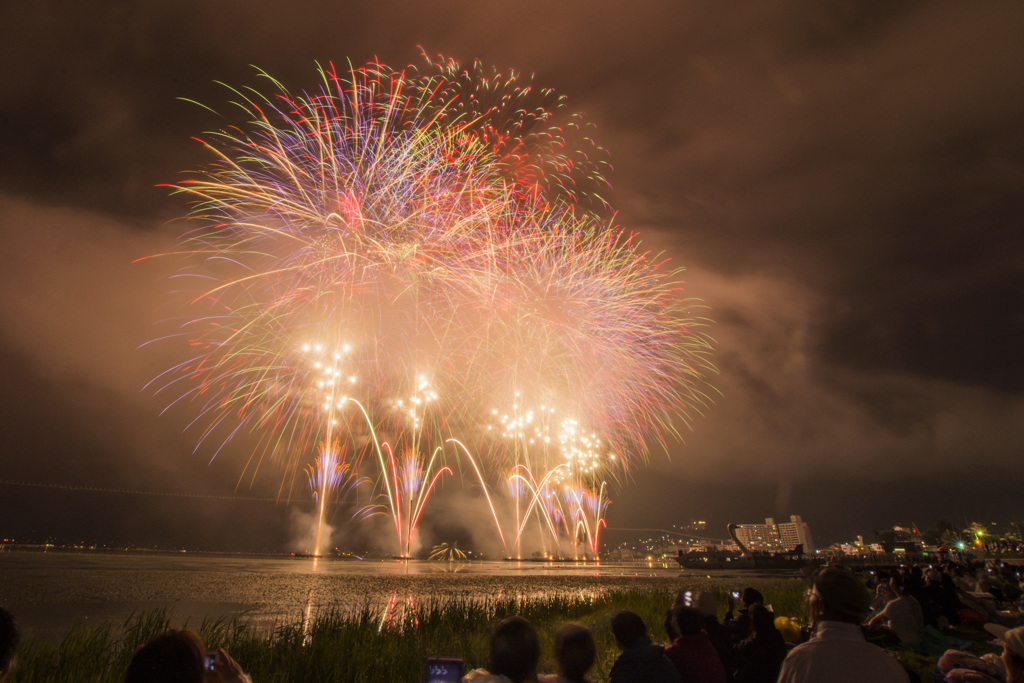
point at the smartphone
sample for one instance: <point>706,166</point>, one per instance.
<point>443,670</point>
<point>209,659</point>
<point>735,595</point>
<point>688,598</point>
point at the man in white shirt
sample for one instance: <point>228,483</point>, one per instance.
<point>838,652</point>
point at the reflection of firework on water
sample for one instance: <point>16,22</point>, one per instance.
<point>393,226</point>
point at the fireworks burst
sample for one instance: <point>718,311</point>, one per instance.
<point>447,552</point>
<point>422,233</point>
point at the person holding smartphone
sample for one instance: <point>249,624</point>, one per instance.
<point>223,668</point>
<point>179,656</point>
<point>739,625</point>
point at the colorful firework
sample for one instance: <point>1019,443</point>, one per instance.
<point>391,227</point>
<point>553,463</point>
<point>534,142</point>
<point>446,552</point>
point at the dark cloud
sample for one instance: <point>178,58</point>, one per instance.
<point>844,183</point>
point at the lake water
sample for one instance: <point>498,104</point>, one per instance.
<point>51,591</point>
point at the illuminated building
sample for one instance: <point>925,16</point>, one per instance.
<point>773,538</point>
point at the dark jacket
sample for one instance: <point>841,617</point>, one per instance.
<point>723,645</point>
<point>644,662</point>
<point>758,660</point>
<point>738,626</point>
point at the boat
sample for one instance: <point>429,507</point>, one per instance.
<point>707,559</point>
<point>746,559</point>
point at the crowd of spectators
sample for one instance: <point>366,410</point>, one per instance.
<point>854,630</point>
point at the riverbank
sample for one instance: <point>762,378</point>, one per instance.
<point>380,642</point>
<point>393,641</point>
<point>50,592</point>
<point>300,620</point>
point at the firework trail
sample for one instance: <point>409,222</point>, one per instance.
<point>390,230</point>
<point>328,475</point>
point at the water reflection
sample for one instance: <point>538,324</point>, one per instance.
<point>398,614</point>
<point>52,591</point>
<point>450,567</point>
<point>307,621</point>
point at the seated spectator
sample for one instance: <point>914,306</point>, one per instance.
<point>739,626</point>
<point>1013,655</point>
<point>883,596</point>
<point>990,585</point>
<point>955,666</point>
<point>790,630</point>
<point>964,579</point>
<point>917,588</point>
<point>692,652</point>
<point>514,653</point>
<point>942,593</point>
<point>575,653</point>
<point>759,657</point>
<point>1008,583</point>
<point>708,606</point>
<point>641,660</point>
<point>9,637</point>
<point>178,656</point>
<point>683,599</point>
<point>902,616</point>
<point>838,652</point>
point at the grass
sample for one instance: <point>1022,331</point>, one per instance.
<point>366,646</point>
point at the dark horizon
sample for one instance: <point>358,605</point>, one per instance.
<point>94,517</point>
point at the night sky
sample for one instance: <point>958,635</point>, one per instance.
<point>842,181</point>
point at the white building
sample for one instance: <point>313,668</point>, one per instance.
<point>795,532</point>
<point>773,538</point>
